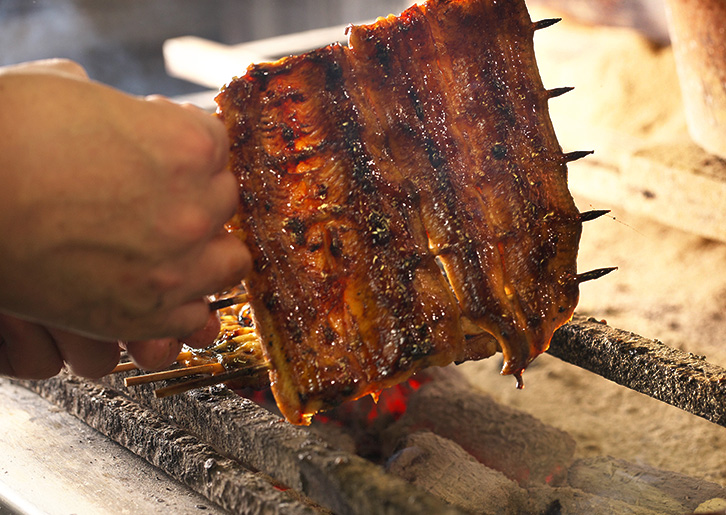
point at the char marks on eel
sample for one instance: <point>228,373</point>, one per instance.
<point>364,170</point>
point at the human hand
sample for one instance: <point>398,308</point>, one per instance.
<point>111,209</point>
<point>32,351</point>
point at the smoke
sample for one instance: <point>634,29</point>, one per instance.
<point>104,37</point>
<point>41,29</point>
<point>120,43</point>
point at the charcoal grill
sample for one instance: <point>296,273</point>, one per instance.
<point>245,459</point>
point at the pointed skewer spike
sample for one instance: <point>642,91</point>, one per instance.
<point>594,274</point>
<point>556,92</point>
<point>588,216</point>
<point>574,156</point>
<point>543,24</point>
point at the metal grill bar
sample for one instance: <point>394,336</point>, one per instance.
<point>226,440</point>
<point>221,479</point>
<point>681,379</point>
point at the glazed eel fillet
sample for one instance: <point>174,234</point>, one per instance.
<point>425,144</point>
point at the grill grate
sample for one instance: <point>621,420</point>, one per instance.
<point>228,448</point>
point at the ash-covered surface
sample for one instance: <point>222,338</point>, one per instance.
<point>679,378</point>
<point>295,457</point>
<point>504,439</point>
<point>641,485</point>
<point>180,454</point>
<point>469,453</point>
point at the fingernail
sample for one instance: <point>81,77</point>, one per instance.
<point>154,354</point>
<point>174,347</point>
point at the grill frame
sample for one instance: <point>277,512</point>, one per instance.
<point>234,466</point>
<point>681,379</point>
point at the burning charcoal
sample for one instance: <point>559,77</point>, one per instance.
<point>660,490</point>
<point>294,463</point>
<point>502,438</point>
<point>364,420</point>
<point>443,468</point>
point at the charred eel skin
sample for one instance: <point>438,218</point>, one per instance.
<point>426,141</point>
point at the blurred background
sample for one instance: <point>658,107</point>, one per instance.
<point>667,192</point>
<point>120,43</point>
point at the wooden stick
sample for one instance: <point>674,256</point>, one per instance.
<point>245,338</point>
<point>124,367</point>
<point>670,375</point>
<point>210,368</point>
<point>252,372</point>
<point>241,330</point>
<point>229,301</point>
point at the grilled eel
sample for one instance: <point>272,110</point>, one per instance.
<point>425,144</point>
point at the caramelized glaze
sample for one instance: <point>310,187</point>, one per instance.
<point>427,140</point>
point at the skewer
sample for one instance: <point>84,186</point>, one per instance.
<point>543,24</point>
<point>245,338</point>
<point>124,367</point>
<point>578,154</point>
<point>210,368</point>
<point>556,92</point>
<point>130,365</point>
<point>256,374</point>
<point>594,274</point>
<point>588,216</point>
<point>227,302</point>
<point>670,375</point>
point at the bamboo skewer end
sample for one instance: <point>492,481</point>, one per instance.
<point>211,368</point>
<point>124,367</point>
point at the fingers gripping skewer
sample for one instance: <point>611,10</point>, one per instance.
<point>235,356</point>
<point>253,372</point>
<point>214,305</point>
